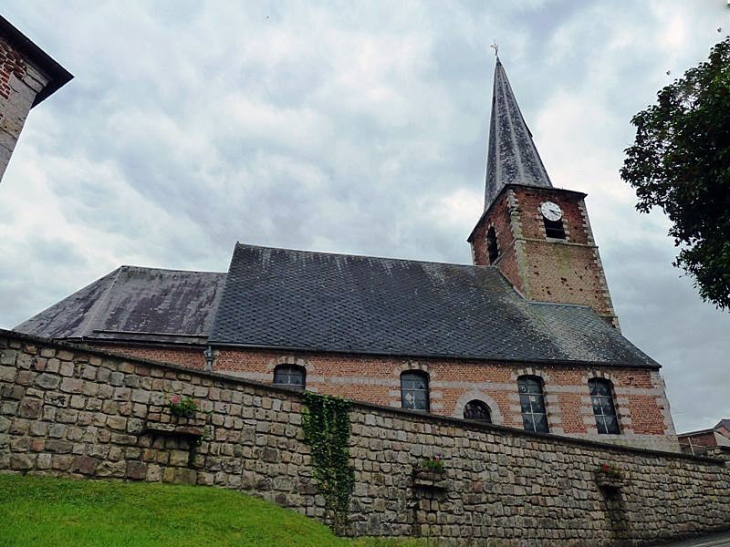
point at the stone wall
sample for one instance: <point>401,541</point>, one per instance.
<point>66,410</point>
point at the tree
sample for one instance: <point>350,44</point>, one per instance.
<point>680,161</point>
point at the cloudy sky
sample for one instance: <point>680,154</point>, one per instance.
<point>353,127</point>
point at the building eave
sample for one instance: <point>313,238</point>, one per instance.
<point>58,76</point>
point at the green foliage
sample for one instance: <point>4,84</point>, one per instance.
<point>326,426</point>
<point>680,161</point>
<point>433,464</point>
<point>183,406</point>
<point>610,471</point>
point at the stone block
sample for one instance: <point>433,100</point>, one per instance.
<point>120,439</point>
<point>25,378</point>
<point>19,427</point>
<point>57,399</point>
<point>86,465</point>
<point>72,385</point>
<point>7,374</point>
<point>117,423</point>
<point>12,392</point>
<point>22,462</point>
<point>7,360</point>
<point>44,461</point>
<point>58,446</point>
<point>89,372</point>
<point>57,431</point>
<point>140,396</point>
<point>111,469</point>
<point>24,361</point>
<point>179,458</point>
<point>154,473</point>
<point>66,369</point>
<point>66,415</point>
<point>62,462</point>
<point>53,366</point>
<point>116,379</point>
<point>179,475</point>
<point>136,470</point>
<point>9,408</point>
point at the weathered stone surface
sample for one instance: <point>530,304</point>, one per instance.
<point>48,381</point>
<point>136,470</point>
<point>86,465</point>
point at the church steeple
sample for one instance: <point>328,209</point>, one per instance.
<point>538,236</point>
<point>512,156</point>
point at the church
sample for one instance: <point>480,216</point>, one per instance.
<point>526,337</point>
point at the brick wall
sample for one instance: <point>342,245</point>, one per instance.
<point>76,412</point>
<point>20,82</point>
<point>639,394</point>
<point>547,270</point>
<point>185,357</point>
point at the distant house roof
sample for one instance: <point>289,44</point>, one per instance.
<point>135,304</point>
<point>278,298</point>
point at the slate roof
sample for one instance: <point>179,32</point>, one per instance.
<point>284,299</point>
<point>135,304</point>
<point>512,157</point>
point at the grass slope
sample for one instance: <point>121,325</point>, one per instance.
<point>47,511</point>
<point>58,512</point>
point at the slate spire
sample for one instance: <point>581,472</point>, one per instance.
<point>512,156</point>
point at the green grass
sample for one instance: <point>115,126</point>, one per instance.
<point>47,511</point>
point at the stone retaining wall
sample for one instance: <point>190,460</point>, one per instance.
<point>65,410</point>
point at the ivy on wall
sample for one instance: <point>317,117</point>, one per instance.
<point>326,424</point>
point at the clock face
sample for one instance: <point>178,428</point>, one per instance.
<point>551,211</point>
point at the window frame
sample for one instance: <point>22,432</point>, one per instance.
<point>554,229</point>
<point>419,394</point>
<point>534,388</point>
<point>478,403</point>
<point>605,401</point>
<point>289,370</point>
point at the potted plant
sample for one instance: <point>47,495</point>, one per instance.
<point>609,476</point>
<point>183,406</point>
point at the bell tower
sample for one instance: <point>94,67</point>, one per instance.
<point>538,236</point>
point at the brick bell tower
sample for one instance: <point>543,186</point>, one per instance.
<point>538,236</point>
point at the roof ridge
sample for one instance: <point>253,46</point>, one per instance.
<point>129,267</point>
<point>329,253</point>
<point>101,303</point>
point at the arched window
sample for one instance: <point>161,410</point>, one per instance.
<point>492,249</point>
<point>292,376</point>
<point>532,402</point>
<point>477,410</point>
<point>414,390</point>
<point>603,407</point>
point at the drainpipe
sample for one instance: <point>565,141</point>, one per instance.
<point>209,355</point>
